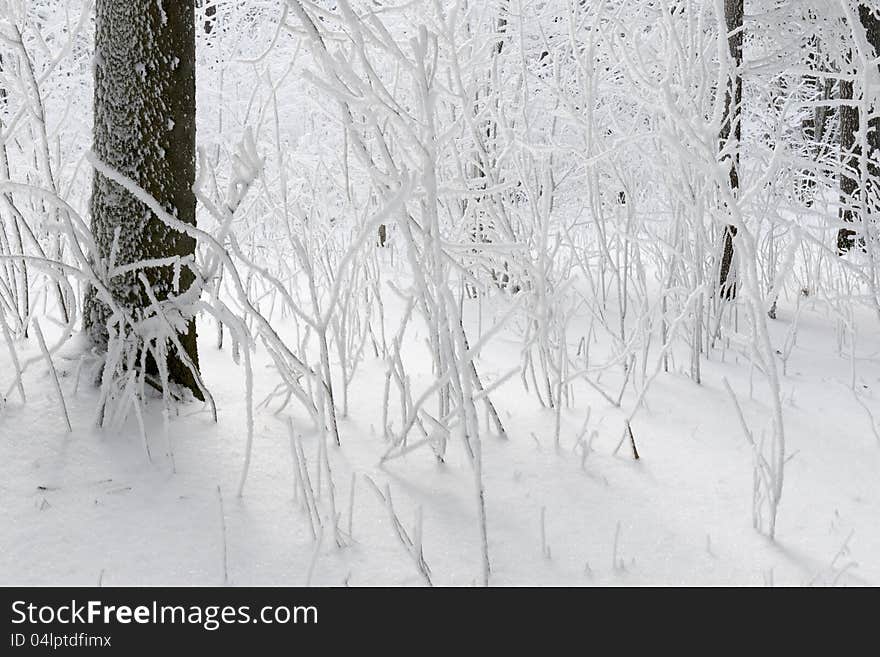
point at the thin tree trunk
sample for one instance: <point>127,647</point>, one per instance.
<point>816,128</point>
<point>850,149</point>
<point>731,131</point>
<point>849,153</point>
<point>482,169</point>
<point>210,15</point>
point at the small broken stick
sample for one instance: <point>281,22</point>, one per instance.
<point>627,432</point>
<point>632,441</point>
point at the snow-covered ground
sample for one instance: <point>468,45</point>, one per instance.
<point>88,506</point>
<point>555,175</point>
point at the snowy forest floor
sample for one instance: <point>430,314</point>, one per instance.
<point>87,507</point>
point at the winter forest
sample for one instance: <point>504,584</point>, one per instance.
<point>440,292</point>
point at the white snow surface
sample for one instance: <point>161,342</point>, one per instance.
<point>88,506</point>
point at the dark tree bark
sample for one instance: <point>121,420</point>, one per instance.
<point>210,14</point>
<point>145,129</point>
<point>731,134</point>
<point>2,88</point>
<point>210,17</point>
<point>851,151</point>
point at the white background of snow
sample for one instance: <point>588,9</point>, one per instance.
<point>684,509</point>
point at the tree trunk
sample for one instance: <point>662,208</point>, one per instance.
<point>817,127</point>
<point>481,170</point>
<point>210,13</point>
<point>145,129</point>
<point>731,131</point>
<point>851,151</point>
